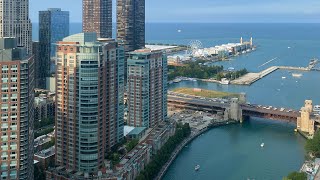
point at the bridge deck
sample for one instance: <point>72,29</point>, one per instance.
<point>247,110</point>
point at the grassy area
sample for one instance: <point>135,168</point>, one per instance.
<point>205,93</point>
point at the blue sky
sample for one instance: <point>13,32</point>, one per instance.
<point>205,10</point>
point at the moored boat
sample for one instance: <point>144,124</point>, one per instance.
<point>197,167</point>
<point>296,75</point>
<point>224,81</point>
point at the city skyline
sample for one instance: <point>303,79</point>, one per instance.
<point>208,11</point>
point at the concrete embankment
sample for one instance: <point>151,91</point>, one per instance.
<point>250,78</point>
<point>187,141</point>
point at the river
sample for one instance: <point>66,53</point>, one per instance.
<point>233,152</point>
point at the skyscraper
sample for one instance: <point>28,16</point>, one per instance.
<point>15,22</point>
<point>131,24</point>
<point>89,100</point>
<point>97,17</point>
<point>147,88</point>
<point>53,27</point>
<point>36,57</point>
<point>17,84</point>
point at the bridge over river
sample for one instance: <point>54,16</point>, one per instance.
<point>241,110</point>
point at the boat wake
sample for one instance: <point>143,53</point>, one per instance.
<point>268,62</point>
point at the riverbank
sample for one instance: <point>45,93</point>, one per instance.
<point>193,135</point>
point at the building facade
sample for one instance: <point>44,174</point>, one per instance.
<point>44,108</point>
<point>131,24</point>
<point>306,122</point>
<point>36,57</point>
<point>53,27</point>
<point>15,22</point>
<point>17,84</point>
<point>89,101</point>
<point>147,88</point>
<point>97,17</point>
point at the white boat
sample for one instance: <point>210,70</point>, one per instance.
<point>289,47</point>
<point>197,167</point>
<point>284,77</point>
<point>179,31</point>
<point>230,68</point>
<point>262,145</point>
<point>296,75</point>
<point>316,108</point>
<point>177,80</point>
<point>224,81</point>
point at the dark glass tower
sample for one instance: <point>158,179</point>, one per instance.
<point>53,27</point>
<point>131,24</point>
<point>97,17</point>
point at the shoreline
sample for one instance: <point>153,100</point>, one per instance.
<point>177,151</point>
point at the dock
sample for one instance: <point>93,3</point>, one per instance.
<point>251,78</point>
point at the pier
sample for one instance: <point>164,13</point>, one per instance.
<point>251,78</point>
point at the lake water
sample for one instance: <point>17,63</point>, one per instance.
<point>233,152</point>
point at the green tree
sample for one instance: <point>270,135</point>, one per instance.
<point>296,176</point>
<point>131,144</point>
<point>163,155</point>
<point>313,145</point>
<point>39,173</point>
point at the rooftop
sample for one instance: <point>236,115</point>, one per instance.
<point>127,129</point>
<point>137,130</point>
<point>46,153</point>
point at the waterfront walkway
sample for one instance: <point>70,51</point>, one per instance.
<point>250,78</point>
<point>193,135</point>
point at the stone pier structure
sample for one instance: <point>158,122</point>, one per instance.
<point>234,112</point>
<point>306,122</point>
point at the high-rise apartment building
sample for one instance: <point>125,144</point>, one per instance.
<point>89,101</point>
<point>15,22</point>
<point>131,24</point>
<point>16,103</point>
<point>97,17</point>
<point>53,27</point>
<point>147,88</point>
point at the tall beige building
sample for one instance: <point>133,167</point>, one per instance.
<point>147,88</point>
<point>16,109</point>
<point>15,22</point>
<point>97,17</point>
<point>89,103</point>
